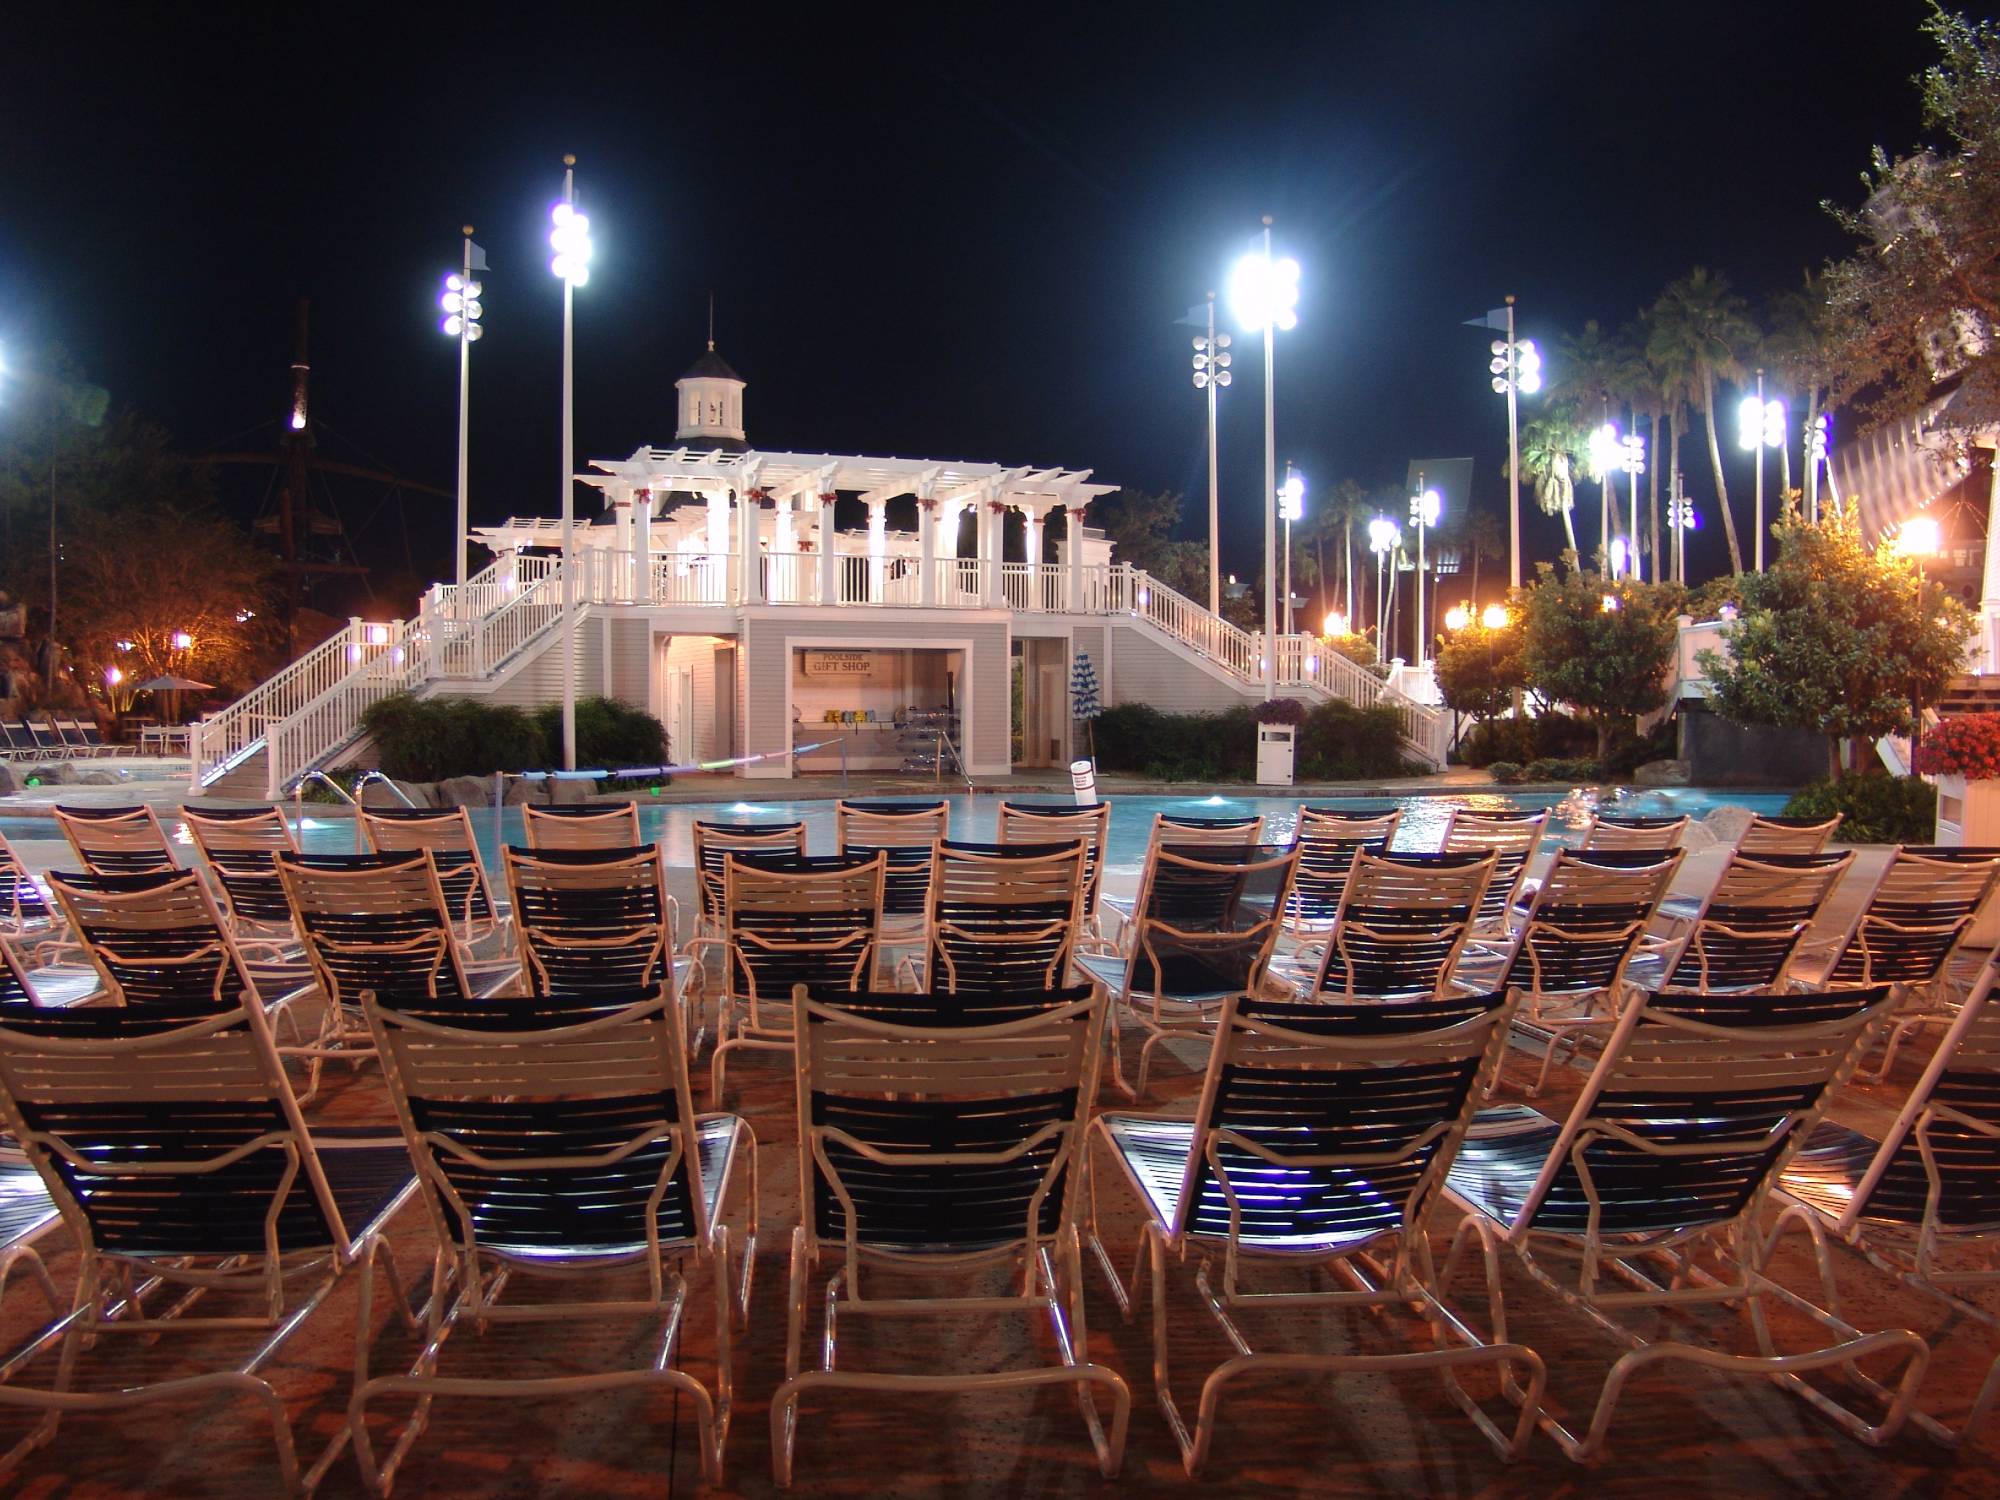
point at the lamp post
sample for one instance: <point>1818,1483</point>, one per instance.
<point>1816,445</point>
<point>1211,373</point>
<point>1384,537</point>
<point>1425,508</point>
<point>1760,424</point>
<point>1291,507</point>
<point>1635,465</point>
<point>1681,520</point>
<point>569,237</point>
<point>1606,458</point>
<point>1918,538</point>
<point>1517,372</point>
<point>461,321</point>
<point>1265,294</point>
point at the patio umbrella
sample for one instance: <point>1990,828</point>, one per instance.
<point>175,686</point>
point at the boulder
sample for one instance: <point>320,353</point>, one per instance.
<point>463,791</point>
<point>569,793</point>
<point>378,794</point>
<point>1728,823</point>
<point>1664,773</point>
<point>519,791</point>
<point>10,780</point>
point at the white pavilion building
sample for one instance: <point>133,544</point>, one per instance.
<point>716,591</point>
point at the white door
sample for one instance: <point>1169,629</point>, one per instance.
<point>683,748</point>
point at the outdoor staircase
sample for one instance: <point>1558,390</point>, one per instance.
<point>264,742</point>
<point>1970,694</point>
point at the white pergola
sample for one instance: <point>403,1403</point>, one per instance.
<point>802,488</point>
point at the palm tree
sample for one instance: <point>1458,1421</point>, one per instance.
<point>1594,370</point>
<point>1348,504</point>
<point>1479,534</point>
<point>1798,350</point>
<point>1550,446</point>
<point>1700,321</point>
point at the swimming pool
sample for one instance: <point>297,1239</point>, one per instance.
<point>976,818</point>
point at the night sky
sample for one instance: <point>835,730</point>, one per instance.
<point>966,237</point>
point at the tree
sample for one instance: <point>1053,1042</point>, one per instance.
<point>1480,669</point>
<point>1479,533</point>
<point>1671,365</point>
<point>1550,448</point>
<point>1798,349</point>
<point>1601,647</point>
<point>1836,638</point>
<point>1598,372</point>
<point>1919,300</point>
<point>139,578</point>
<point>1700,323</point>
<point>1141,528</point>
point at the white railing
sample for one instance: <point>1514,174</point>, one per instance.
<point>695,578</point>
<point>527,613</point>
<point>296,743</point>
<point>454,621</point>
<point>791,578</point>
<point>224,740</point>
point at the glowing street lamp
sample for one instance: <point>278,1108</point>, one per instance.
<point>1517,371</point>
<point>1291,507</point>
<point>1920,537</point>
<point>1265,295</point>
<point>1457,618</point>
<point>1384,537</point>
<point>1425,508</point>
<point>462,308</point>
<point>1760,424</point>
<point>1495,617</point>
<point>1336,624</point>
<point>569,237</point>
<point>1211,373</point>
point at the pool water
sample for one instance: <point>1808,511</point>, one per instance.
<point>976,819</point>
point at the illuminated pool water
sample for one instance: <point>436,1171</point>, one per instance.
<point>976,818</point>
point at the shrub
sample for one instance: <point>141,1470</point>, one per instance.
<point>1562,768</point>
<point>1336,742</point>
<point>1280,711</point>
<point>609,734</point>
<point>1630,751</point>
<point>1542,737</point>
<point>1505,772</point>
<point>431,738</point>
<point>1876,808</point>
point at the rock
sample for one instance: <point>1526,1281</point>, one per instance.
<point>1664,773</point>
<point>570,793</point>
<point>10,782</point>
<point>378,794</point>
<point>463,791</point>
<point>519,791</point>
<point>1728,823</point>
<point>94,778</point>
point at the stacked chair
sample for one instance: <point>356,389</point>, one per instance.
<point>1921,1204</point>
<point>1187,831</point>
<point>446,834</point>
<point>117,840</point>
<point>174,1149</point>
<point>1655,835</point>
<point>1203,929</point>
<point>944,1145</point>
<point>585,825</point>
<point>1646,1198</point>
<point>1568,959</point>
<point>1512,838</point>
<point>556,1138</point>
<point>242,845</point>
<point>1328,840</point>
<point>907,834</point>
<point>1776,835</point>
<point>25,913</point>
<point>1322,1140</point>
<point>1004,918</point>
<point>1746,932</point>
<point>713,844</point>
<point>1403,922</point>
<point>1054,822</point>
<point>788,920</point>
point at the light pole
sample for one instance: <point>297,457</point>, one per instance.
<point>1635,465</point>
<point>1211,373</point>
<point>1816,444</point>
<point>1606,457</point>
<point>461,321</point>
<point>1760,424</point>
<point>1265,294</point>
<point>569,237</point>
<point>1384,537</point>
<point>1292,507</point>
<point>1918,538</point>
<point>1517,372</point>
<point>1681,520</point>
<point>1425,508</point>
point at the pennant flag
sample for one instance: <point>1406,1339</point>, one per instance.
<point>478,258</point>
<point>1197,316</point>
<point>1494,319</point>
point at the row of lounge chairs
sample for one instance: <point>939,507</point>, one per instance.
<point>1348,1098</point>
<point>53,737</point>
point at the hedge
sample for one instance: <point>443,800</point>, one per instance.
<point>1875,807</point>
<point>1337,742</point>
<point>428,739</point>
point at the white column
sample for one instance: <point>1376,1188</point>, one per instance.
<point>927,522</point>
<point>642,547</point>
<point>1989,587</point>
<point>785,580</point>
<point>1073,534</point>
<point>946,538</point>
<point>878,547</point>
<point>715,571</point>
<point>1032,538</point>
<point>992,535</point>
<point>748,514</point>
<point>824,539</point>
